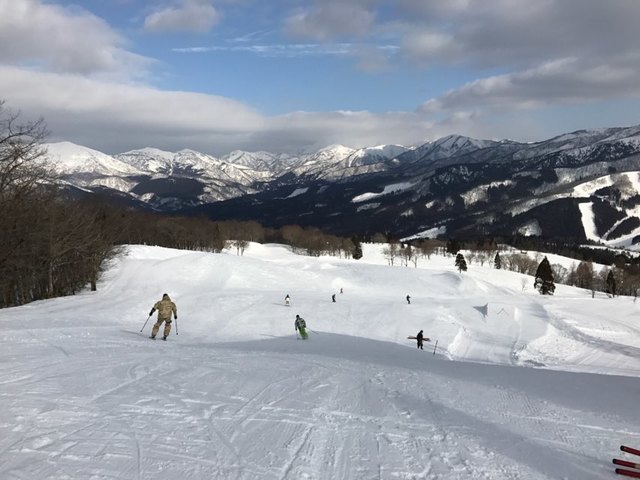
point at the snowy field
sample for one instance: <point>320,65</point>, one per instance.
<point>521,386</point>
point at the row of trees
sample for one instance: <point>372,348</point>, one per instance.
<point>200,233</point>
<point>48,245</point>
<point>622,278</point>
<point>615,280</point>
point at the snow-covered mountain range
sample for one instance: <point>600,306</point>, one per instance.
<point>456,184</point>
<point>145,173</point>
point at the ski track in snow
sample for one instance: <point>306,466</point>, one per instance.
<point>87,398</point>
<point>294,419</point>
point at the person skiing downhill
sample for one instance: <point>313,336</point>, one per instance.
<point>301,327</point>
<point>419,339</point>
<point>287,300</point>
<point>408,299</point>
<point>165,308</point>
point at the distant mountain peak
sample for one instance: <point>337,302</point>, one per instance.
<point>337,149</point>
<point>70,158</point>
<point>459,142</point>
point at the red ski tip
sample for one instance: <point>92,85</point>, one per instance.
<point>628,473</point>
<point>624,448</point>
<point>625,463</point>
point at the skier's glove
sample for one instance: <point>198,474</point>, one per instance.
<point>151,313</point>
<point>175,318</point>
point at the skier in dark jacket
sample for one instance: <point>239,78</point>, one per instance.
<point>301,327</point>
<point>420,338</point>
<point>408,299</point>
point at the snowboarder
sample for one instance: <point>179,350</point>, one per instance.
<point>301,327</point>
<point>164,307</point>
<point>408,299</point>
<point>419,339</point>
<point>287,300</point>
<point>333,298</point>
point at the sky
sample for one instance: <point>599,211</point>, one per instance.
<point>521,386</point>
<point>298,75</point>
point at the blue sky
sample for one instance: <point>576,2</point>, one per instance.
<point>290,75</point>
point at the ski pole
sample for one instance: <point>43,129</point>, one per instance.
<point>145,323</point>
<point>176,319</point>
<point>434,347</point>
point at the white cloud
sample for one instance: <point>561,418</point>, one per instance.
<point>328,20</point>
<point>48,36</point>
<point>549,52</point>
<point>189,15</point>
<point>283,50</point>
<point>562,81</point>
<point>519,32</point>
<point>94,111</point>
<point>422,44</point>
<point>113,117</point>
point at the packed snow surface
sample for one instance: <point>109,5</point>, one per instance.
<point>521,386</point>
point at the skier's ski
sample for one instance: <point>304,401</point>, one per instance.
<point>628,473</point>
<point>624,448</point>
<point>624,463</point>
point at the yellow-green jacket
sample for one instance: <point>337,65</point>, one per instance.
<point>164,308</point>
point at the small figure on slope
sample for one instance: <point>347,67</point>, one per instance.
<point>408,299</point>
<point>333,298</point>
<point>287,300</point>
<point>165,308</point>
<point>301,327</point>
<point>419,338</point>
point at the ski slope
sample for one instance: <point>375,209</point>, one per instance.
<point>521,386</point>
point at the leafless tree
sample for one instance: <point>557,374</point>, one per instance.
<point>584,275</point>
<point>240,246</point>
<point>559,273</point>
<point>390,252</point>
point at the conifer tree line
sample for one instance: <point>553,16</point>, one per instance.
<point>621,277</point>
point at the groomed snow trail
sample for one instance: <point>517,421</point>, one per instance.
<point>85,395</point>
<point>114,404</point>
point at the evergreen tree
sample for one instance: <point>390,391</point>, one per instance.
<point>357,250</point>
<point>611,283</point>
<point>453,246</point>
<point>497,262</point>
<point>461,263</point>
<point>544,278</point>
